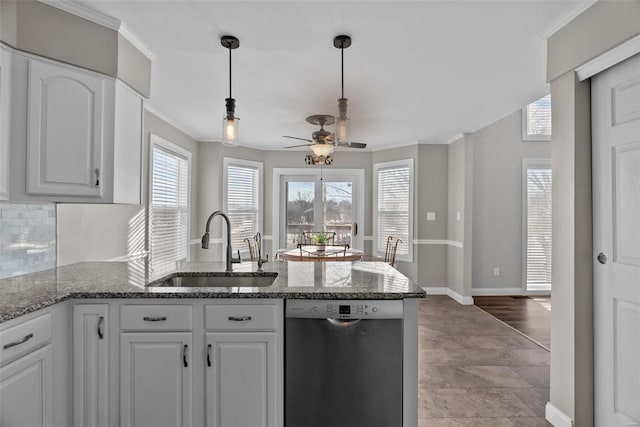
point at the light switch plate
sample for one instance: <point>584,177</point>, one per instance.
<point>431,216</point>
<point>458,216</point>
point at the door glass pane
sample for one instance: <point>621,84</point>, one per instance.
<point>337,209</point>
<point>300,210</point>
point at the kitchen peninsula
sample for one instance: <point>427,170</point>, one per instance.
<point>131,352</point>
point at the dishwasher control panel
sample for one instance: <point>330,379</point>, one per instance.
<point>344,309</point>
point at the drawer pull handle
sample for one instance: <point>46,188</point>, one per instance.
<point>239,318</point>
<point>209,355</point>
<point>100,332</point>
<point>154,319</point>
<point>15,343</point>
<point>185,353</point>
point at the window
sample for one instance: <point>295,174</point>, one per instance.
<point>168,205</point>
<point>243,199</point>
<point>537,220</point>
<point>536,120</point>
<point>393,206</point>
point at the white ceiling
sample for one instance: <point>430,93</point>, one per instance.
<point>417,71</point>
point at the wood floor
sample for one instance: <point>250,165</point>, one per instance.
<point>476,371</point>
<point>529,315</point>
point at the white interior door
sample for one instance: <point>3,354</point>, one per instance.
<point>616,205</point>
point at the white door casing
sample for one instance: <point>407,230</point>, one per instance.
<point>616,217</point>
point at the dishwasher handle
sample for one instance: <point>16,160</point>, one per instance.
<point>343,323</point>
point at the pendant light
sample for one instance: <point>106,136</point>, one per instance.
<point>230,121</point>
<point>342,121</point>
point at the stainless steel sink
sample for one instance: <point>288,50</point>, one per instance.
<point>219,280</point>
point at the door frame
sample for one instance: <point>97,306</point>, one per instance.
<point>358,214</point>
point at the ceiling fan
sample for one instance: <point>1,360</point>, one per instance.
<point>322,141</point>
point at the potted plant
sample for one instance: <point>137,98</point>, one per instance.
<point>321,240</point>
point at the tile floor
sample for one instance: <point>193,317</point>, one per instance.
<point>475,371</point>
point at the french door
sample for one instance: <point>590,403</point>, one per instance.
<point>311,202</point>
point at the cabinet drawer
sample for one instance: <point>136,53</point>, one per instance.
<point>24,337</point>
<point>155,318</point>
<point>240,317</point>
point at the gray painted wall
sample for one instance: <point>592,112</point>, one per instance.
<point>572,293</point>
<point>38,28</point>
<point>498,152</point>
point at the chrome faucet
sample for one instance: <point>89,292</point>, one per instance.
<point>205,238</point>
<point>261,260</point>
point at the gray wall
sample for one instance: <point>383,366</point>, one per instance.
<point>498,152</point>
<point>38,28</point>
<point>572,293</point>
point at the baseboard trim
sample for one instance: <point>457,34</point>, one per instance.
<point>443,290</point>
<point>492,292</point>
<point>556,417</point>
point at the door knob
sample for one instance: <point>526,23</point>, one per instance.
<point>602,258</point>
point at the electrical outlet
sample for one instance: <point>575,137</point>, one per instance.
<point>496,271</point>
<point>458,216</point>
<point>431,216</point>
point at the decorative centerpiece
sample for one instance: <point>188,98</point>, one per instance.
<point>321,240</point>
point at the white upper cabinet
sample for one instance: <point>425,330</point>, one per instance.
<point>78,133</point>
<point>68,110</point>
<point>5,120</point>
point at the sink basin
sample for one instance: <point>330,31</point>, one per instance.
<point>219,280</point>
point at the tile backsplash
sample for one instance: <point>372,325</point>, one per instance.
<point>27,238</point>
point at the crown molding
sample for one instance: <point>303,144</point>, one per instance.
<point>110,22</point>
<point>455,137</point>
<point>84,12</point>
<point>169,121</point>
<point>558,23</point>
<point>609,59</point>
<point>135,41</point>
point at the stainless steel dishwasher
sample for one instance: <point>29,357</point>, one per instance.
<point>343,363</point>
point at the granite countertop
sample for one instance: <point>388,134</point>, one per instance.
<point>298,280</point>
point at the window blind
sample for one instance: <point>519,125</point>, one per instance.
<point>538,228</point>
<point>168,209</point>
<point>393,207</point>
<point>243,203</point>
<point>539,117</point>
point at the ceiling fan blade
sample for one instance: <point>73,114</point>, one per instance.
<point>295,137</point>
<point>353,145</point>
<point>296,146</point>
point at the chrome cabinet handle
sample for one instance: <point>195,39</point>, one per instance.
<point>97,171</point>
<point>100,332</point>
<point>209,355</point>
<point>154,319</point>
<point>239,318</point>
<point>15,343</point>
<point>185,353</point>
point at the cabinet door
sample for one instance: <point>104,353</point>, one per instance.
<point>26,390</point>
<point>66,119</point>
<point>90,365</point>
<point>5,120</point>
<point>241,388</point>
<point>155,379</point>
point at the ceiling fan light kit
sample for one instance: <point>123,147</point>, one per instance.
<point>342,125</point>
<point>230,121</point>
<point>314,160</point>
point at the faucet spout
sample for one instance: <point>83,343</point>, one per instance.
<point>205,237</point>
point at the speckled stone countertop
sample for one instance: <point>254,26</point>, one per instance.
<point>298,280</point>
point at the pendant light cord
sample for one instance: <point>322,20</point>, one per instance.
<point>342,65</point>
<point>229,47</point>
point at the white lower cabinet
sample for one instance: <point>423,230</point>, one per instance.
<point>91,365</point>
<point>26,390</point>
<point>241,379</point>
<point>156,383</point>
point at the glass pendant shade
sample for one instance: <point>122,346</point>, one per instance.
<point>322,149</point>
<point>230,124</point>
<point>342,123</point>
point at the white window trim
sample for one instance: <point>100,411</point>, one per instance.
<point>529,164</point>
<point>156,141</point>
<point>248,163</point>
<point>279,206</point>
<point>525,135</point>
<point>377,166</point>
